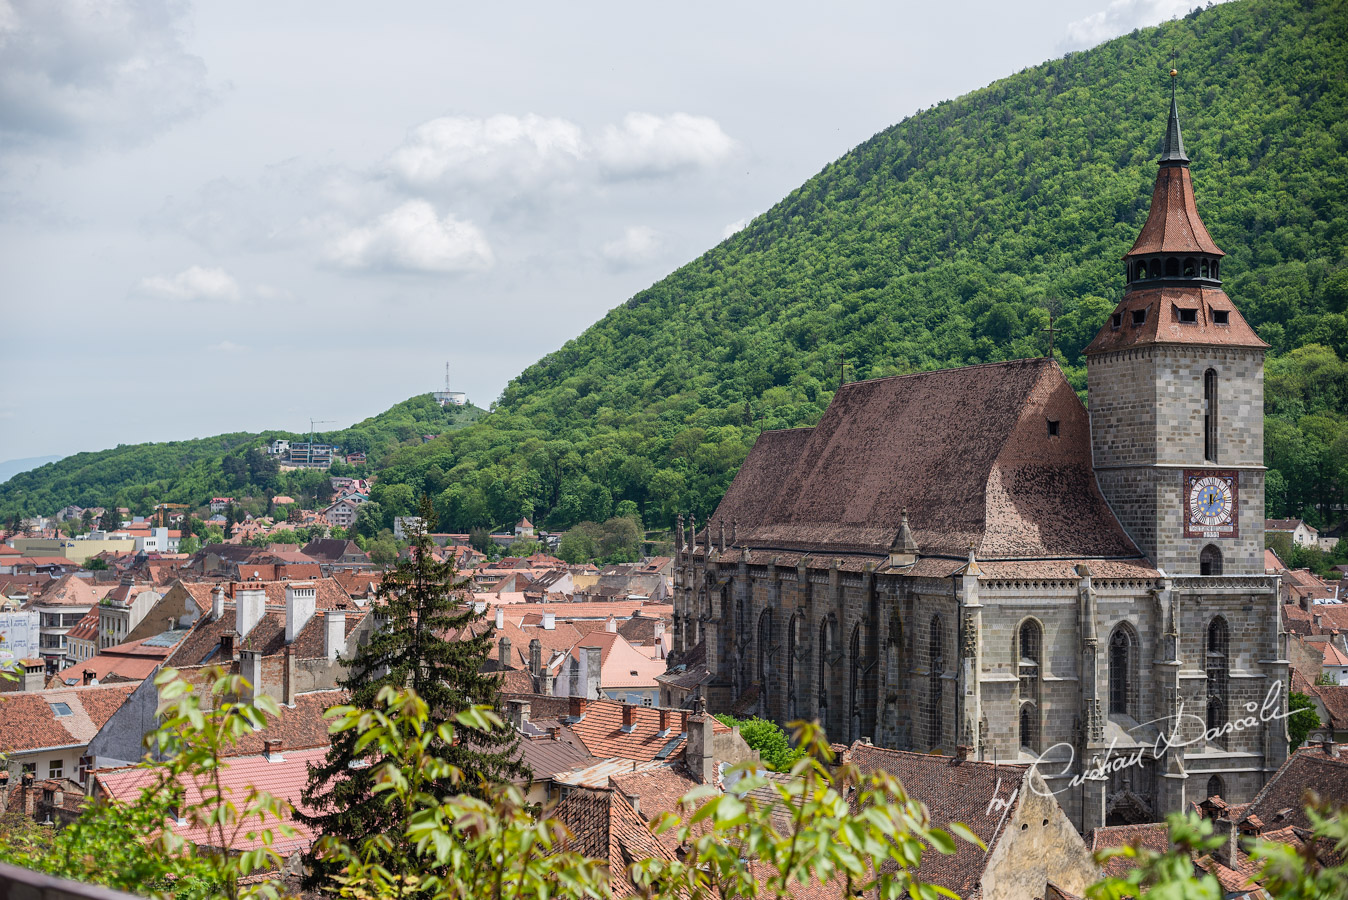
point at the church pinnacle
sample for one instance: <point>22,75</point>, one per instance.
<point>1172,151</point>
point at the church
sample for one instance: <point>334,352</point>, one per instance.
<point>969,561</point>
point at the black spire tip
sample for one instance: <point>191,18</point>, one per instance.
<point>1172,151</point>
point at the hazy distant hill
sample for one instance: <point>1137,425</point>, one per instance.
<point>11,467</point>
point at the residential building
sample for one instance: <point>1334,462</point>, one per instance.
<point>221,504</point>
<point>1303,534</point>
<point>46,734</point>
<point>60,607</point>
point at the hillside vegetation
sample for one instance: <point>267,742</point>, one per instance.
<point>138,476</point>
<point>944,241</point>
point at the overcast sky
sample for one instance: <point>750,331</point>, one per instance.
<point>236,216</point>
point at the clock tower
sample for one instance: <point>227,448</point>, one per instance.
<point>1176,383</point>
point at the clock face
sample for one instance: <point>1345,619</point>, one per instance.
<point>1211,504</point>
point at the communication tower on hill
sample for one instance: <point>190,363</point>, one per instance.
<point>448,397</point>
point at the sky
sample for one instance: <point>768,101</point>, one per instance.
<point>238,216</point>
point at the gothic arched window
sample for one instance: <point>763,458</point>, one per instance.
<point>821,685</point>
<point>935,665</point>
<point>1210,561</point>
<point>1215,787</point>
<point>1029,646</point>
<point>764,643</point>
<point>792,641</point>
<point>1121,670</point>
<point>1210,415</point>
<point>854,684</point>
<point>1216,663</point>
<point>1029,727</point>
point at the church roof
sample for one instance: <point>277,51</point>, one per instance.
<point>966,451</point>
<point>1173,225</point>
<point>1161,308</point>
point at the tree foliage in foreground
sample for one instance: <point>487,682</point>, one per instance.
<point>418,644</point>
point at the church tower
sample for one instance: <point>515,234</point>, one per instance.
<point>1176,383</point>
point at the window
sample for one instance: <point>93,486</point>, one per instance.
<point>935,692</point>
<point>60,709</point>
<point>1029,728</point>
<point>1205,268</point>
<point>29,768</point>
<point>1210,561</point>
<point>1141,270</point>
<point>1215,787</point>
<point>1210,415</point>
<point>646,701</point>
<point>1029,645</point>
<point>55,768</point>
<point>1120,670</point>
<point>821,684</point>
<point>1052,427</point>
<point>1188,316</point>
<point>1116,320</point>
<point>1216,665</point>
<point>1139,316</point>
<point>1190,268</point>
<point>1221,317</point>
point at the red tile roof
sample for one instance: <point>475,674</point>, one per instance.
<point>605,827</point>
<point>600,729</point>
<point>1173,224</point>
<point>284,779</point>
<point>1162,324</point>
<point>29,722</point>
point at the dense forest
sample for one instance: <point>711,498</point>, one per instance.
<point>944,240</point>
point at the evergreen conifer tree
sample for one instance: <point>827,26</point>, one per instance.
<point>422,642</point>
<point>112,518</point>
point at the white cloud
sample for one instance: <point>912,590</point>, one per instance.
<point>1121,17</point>
<point>733,228</point>
<point>646,145</point>
<point>113,70</point>
<point>227,347</point>
<point>195,283</point>
<point>413,238</point>
<point>455,150</point>
<point>639,244</point>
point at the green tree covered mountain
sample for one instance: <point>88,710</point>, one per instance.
<point>140,475</point>
<point>943,241</point>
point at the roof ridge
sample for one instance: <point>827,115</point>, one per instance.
<point>986,365</point>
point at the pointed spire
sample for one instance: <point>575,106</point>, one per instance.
<point>1172,151</point>
<point>903,552</point>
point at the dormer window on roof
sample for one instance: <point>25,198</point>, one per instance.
<point>1188,316</point>
<point>1221,317</point>
<point>1139,316</point>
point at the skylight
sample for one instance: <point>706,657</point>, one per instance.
<point>61,709</point>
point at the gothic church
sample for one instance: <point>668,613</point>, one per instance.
<point>970,561</point>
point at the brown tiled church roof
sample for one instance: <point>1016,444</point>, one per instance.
<point>1162,323</point>
<point>1173,225</point>
<point>966,451</point>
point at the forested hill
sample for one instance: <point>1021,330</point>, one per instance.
<point>140,475</point>
<point>942,241</point>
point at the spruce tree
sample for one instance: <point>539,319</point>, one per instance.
<point>422,642</point>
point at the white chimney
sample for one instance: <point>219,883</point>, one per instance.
<point>611,626</point>
<point>334,634</point>
<point>500,617</point>
<point>250,667</point>
<point>217,603</point>
<point>249,606</point>
<point>301,599</point>
<point>549,621</point>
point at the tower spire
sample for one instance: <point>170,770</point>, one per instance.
<point>1172,151</point>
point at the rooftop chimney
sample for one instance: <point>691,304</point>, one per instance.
<point>301,601</point>
<point>250,667</point>
<point>517,711</point>
<point>594,677</point>
<point>271,750</point>
<point>549,621</point>
<point>666,719</point>
<point>217,603</point>
<point>249,606</point>
<point>577,706</point>
<point>334,633</point>
<point>535,657</point>
<point>629,718</point>
<point>503,652</point>
<point>554,733</point>
<point>500,617</point>
<point>961,752</point>
<point>611,625</point>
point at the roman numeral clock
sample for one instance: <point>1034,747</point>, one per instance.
<point>1211,504</point>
